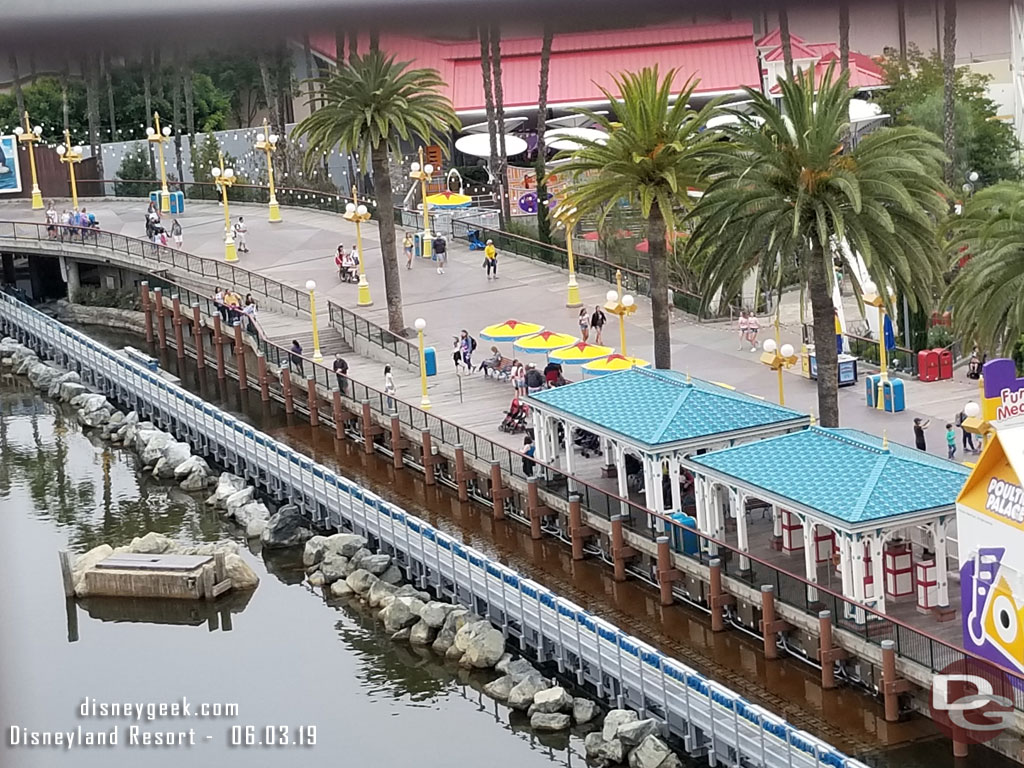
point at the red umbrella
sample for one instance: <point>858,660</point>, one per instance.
<point>643,246</point>
<point>622,234</point>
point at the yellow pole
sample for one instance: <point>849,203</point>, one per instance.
<point>165,195</point>
<point>71,170</point>
<point>622,333</point>
<point>317,357</point>
<point>274,208</point>
<point>37,196</point>
<point>427,249</point>
<point>880,404</point>
<point>424,401</point>
<point>573,298</point>
<point>364,299</point>
<point>230,252</point>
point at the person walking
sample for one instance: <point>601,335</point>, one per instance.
<point>176,233</point>
<point>534,379</point>
<point>295,358</point>
<point>389,388</point>
<point>597,321</point>
<point>950,442</point>
<point>240,231</point>
<point>753,328</point>
<point>518,376</point>
<point>968,438</point>
<point>340,366</point>
<point>529,451</point>
<point>920,425</point>
<point>584,321</point>
<point>457,352</point>
<point>440,253</point>
<point>407,246</point>
<point>218,302</point>
<point>468,348</point>
<point>491,260</point>
<point>51,221</point>
<point>743,324</point>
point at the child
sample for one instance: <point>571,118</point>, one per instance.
<point>951,441</point>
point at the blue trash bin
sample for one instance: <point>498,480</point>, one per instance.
<point>872,392</point>
<point>430,361</point>
<point>684,541</point>
<point>177,202</point>
<point>154,197</point>
<point>893,395</point>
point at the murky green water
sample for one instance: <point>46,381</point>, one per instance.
<point>286,659</point>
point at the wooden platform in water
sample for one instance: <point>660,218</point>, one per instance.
<point>174,577</point>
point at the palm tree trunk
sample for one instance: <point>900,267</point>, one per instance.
<point>543,225</point>
<point>825,352</point>
<point>787,41</point>
<point>177,83</point>
<point>307,52</point>
<point>19,97</point>
<point>92,108</point>
<point>492,131</point>
<point>386,213</point>
<point>353,44</point>
<point>659,289</point>
<point>339,47</point>
<point>65,75</point>
<point>844,35</point>
<point>109,78</point>
<point>190,110</point>
<point>147,97</point>
<point>948,85</point>
<point>499,110</point>
<point>901,26</point>
<point>374,39</point>
<point>270,96</point>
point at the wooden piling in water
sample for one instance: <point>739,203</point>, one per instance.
<point>261,372</point>
<point>67,566</point>
<point>147,308</point>
<point>398,443</point>
<point>339,418</point>
<point>286,390</point>
<point>534,509</point>
<point>218,345</point>
<point>428,458</point>
<point>498,491</point>
<point>243,380</point>
<point>197,336</point>
<point>578,532</point>
<point>161,329</point>
<point>461,475</point>
<point>179,336</point>
<point>667,572</point>
<point>313,403</point>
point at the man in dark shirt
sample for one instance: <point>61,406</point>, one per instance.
<point>341,369</point>
<point>296,357</point>
<point>534,379</point>
<point>920,425</point>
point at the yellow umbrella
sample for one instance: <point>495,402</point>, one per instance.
<point>580,353</point>
<point>545,341</point>
<point>449,200</point>
<point>614,363</point>
<point>510,330</point>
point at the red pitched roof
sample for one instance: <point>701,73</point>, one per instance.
<point>801,52</point>
<point>864,72</point>
<point>774,38</point>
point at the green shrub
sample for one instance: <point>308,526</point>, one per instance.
<point>114,298</point>
<point>940,337</point>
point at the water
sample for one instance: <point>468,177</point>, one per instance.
<point>282,656</point>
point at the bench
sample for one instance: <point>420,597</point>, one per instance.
<point>503,370</point>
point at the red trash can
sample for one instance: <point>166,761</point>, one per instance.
<point>928,365</point>
<point>945,364</point>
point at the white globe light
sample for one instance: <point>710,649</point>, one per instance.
<point>420,324</point>
<point>38,130</point>
<point>166,130</point>
<point>611,296</point>
<point>215,172</point>
<point>260,137</point>
<point>361,210</point>
<point>18,131</point>
<point>870,289</point>
<point>972,410</point>
<point>311,285</point>
<point>627,300</point>
<point>150,131</point>
<point>787,350</point>
<point>415,167</point>
<point>350,207</point>
<point>229,173</point>
<point>769,346</point>
<point>973,176</point>
<point>61,149</point>
<point>273,138</point>
<point>428,169</point>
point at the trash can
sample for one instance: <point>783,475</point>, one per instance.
<point>430,361</point>
<point>177,202</point>
<point>928,365</point>
<point>684,541</point>
<point>871,393</point>
<point>154,197</point>
<point>894,397</point>
<point>945,364</point>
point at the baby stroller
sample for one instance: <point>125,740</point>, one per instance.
<point>587,442</point>
<point>515,418</point>
<point>475,243</point>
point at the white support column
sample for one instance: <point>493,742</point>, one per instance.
<point>675,472</point>
<point>857,566</point>
<point>845,565</point>
<point>722,507</point>
<point>776,521</point>
<point>606,451</point>
<point>620,471</point>
<point>540,436</point>
<point>876,572</point>
<point>738,502</point>
<point>570,460</point>
<point>553,439</point>
<point>650,498</point>
<point>810,556</point>
<point>700,491</point>
<point>939,530</point>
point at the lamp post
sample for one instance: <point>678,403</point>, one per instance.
<point>975,423</point>
<point>30,136</point>
<point>70,155</point>
<point>357,213</point>
<point>311,287</point>
<point>158,137</point>
<point>267,142</point>
<point>566,218</point>
<point>420,326</point>
<point>224,178</point>
<point>778,356</point>
<point>421,172</point>
<point>874,299</point>
<point>621,307</point>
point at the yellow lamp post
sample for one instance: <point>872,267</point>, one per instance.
<point>158,136</point>
<point>622,307</point>
<point>311,287</point>
<point>778,356</point>
<point>874,299</point>
<point>30,136</point>
<point>70,155</point>
<point>224,178</point>
<point>420,326</point>
<point>566,218</point>
<point>422,172</point>
<point>357,213</point>
<point>267,142</point>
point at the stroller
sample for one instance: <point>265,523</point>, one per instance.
<point>587,442</point>
<point>515,418</point>
<point>475,243</point>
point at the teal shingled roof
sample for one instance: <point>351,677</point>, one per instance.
<point>657,407</point>
<point>843,473</point>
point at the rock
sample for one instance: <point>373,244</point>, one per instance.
<point>313,552</point>
<point>499,689</point>
<point>554,699</point>
<point>483,645</point>
<point>86,561</point>
<point>21,366</point>
<point>672,761</point>
<point>144,432</point>
<point>70,390</point>
<point>549,721</point>
<point>288,528</point>
<point>194,482</point>
<point>357,558</point>
<point>402,612</point>
<point>154,449</point>
<point>503,662</point>
<point>341,589</point>
<point>151,544</point>
<point>174,454</point>
<point>93,419</point>
<point>239,572</point>
<point>408,590</point>
<point>8,346</point>
<point>519,669</point>
<point>434,614</point>
<point>385,601</point>
<point>226,546</point>
<point>227,484</point>
<point>422,633</point>
<point>583,710</point>
<point>361,581</point>
<point>592,744</point>
<point>188,466</point>
<point>345,544</point>
<point>453,654</point>
<point>522,693</point>
<point>254,510</point>
<point>375,564</point>
<point>631,734</point>
<point>650,753</point>
<point>254,529</point>
<point>90,403</point>
<point>41,375</point>
<point>616,718</point>
<point>238,499</point>
<point>70,377</point>
<point>333,567</point>
<point>611,751</point>
<point>316,579</point>
<point>453,623</point>
<point>402,635</point>
<point>378,591</point>
<point>392,575</point>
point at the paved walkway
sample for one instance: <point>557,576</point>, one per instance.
<point>303,246</point>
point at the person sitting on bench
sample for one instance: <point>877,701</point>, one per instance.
<point>492,363</point>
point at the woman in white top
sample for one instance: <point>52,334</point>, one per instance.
<point>518,378</point>
<point>389,387</point>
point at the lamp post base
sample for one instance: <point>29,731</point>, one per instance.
<point>426,245</point>
<point>37,198</point>
<point>230,252</point>
<point>364,299</point>
<point>573,299</point>
<point>275,212</point>
<point>317,357</point>
<point>425,403</point>
<point>165,201</point>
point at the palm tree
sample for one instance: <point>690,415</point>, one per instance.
<point>92,107</point>
<point>499,113</point>
<point>654,152</point>
<point>844,35</point>
<point>986,293</point>
<point>787,193</point>
<point>949,86</point>
<point>492,128</point>
<point>543,225</point>
<point>787,40</point>
<point>19,97</point>
<point>369,106</point>
<point>109,81</point>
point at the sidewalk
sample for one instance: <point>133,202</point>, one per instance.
<point>302,247</point>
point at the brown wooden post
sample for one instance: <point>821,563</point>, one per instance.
<point>828,653</point>
<point>161,329</point>
<point>717,597</point>
<point>620,551</point>
<point>367,425</point>
<point>313,403</point>
<point>261,372</point>
<point>339,419</point>
<point>429,460</point>
<point>893,686</point>
<point>218,345</point>
<point>667,572</point>
<point>179,335</point>
<point>398,443</point>
<point>197,336</point>
<point>498,492</point>
<point>147,308</point>
<point>770,626</point>
<point>243,380</point>
<point>286,390</point>
<point>578,532</point>
<point>534,508</point>
<point>461,476</point>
